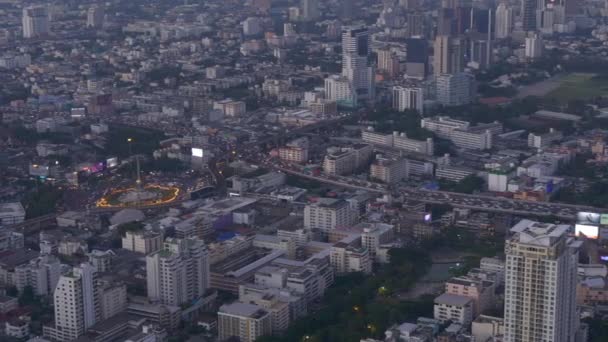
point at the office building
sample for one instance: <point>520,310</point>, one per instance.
<point>374,236</point>
<point>112,298</point>
<point>328,214</point>
<point>143,241</point>
<point>504,21</point>
<point>455,89</point>
<point>355,62</point>
<point>179,273</point>
<point>534,46</point>
<point>448,55</point>
<point>35,21</point>
<point>244,321</point>
<point>480,54</point>
<point>76,302</point>
<point>542,140</point>
<point>417,58</point>
<point>408,98</point>
<point>528,13</point>
<point>540,289</point>
<point>252,26</point>
<point>95,16</point>
<point>415,24</point>
<point>388,63</point>
<point>309,10</point>
<point>443,126</point>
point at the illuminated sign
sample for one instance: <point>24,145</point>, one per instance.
<point>589,219</point>
<point>591,232</point>
<point>197,152</point>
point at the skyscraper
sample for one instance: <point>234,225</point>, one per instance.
<point>416,60</point>
<point>529,10</point>
<point>309,10</point>
<point>355,62</point>
<point>408,98</point>
<point>95,16</point>
<point>76,300</point>
<point>448,55</point>
<point>35,21</point>
<point>455,89</point>
<point>178,273</point>
<point>504,21</point>
<point>540,290</point>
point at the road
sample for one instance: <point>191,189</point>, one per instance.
<point>476,202</point>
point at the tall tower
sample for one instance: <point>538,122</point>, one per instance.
<point>541,276</point>
<point>35,21</point>
<point>529,10</point>
<point>448,55</point>
<point>178,273</point>
<point>76,302</point>
<point>504,21</point>
<point>355,62</point>
<point>95,16</point>
<point>309,10</point>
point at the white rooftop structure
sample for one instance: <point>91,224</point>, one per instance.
<point>538,233</point>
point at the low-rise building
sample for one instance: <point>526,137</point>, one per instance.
<point>244,321</point>
<point>455,308</point>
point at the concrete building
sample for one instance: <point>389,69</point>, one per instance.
<point>35,21</point>
<point>347,258</point>
<point>309,10</point>
<point>247,322</point>
<point>455,308</point>
<point>540,141</point>
<point>480,290</point>
<point>95,16</point>
<point>374,236</point>
<point>279,308</point>
<point>76,302</point>
<point>408,98</point>
<point>42,274</point>
<point>344,161</point>
<point>339,89</point>
<point>504,21</point>
<point>387,62</point>
<point>11,213</point>
<point>388,170</point>
<point>399,141</point>
<point>455,89</point>
<point>295,151</point>
<point>356,67</point>
<point>179,273</point>
<point>112,298</point>
<point>540,290</point>
<point>534,46</point>
<point>143,241</point>
<point>484,328</point>
<point>448,55</point>
<point>328,214</point>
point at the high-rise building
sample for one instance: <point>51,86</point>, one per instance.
<point>76,301</point>
<point>356,66</point>
<point>540,290</point>
<point>448,55</point>
<point>95,16</point>
<point>309,10</point>
<point>178,273</point>
<point>534,46</point>
<point>35,21</point>
<point>338,88</point>
<point>417,58</point>
<point>388,62</point>
<point>408,98</point>
<point>504,21</point>
<point>455,89</point>
<point>528,14</point>
<point>480,55</point>
<point>415,24</point>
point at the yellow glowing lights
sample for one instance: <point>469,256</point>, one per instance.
<point>168,195</point>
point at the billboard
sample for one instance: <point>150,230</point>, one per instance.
<point>587,218</point>
<point>604,219</point>
<point>591,232</point>
<point>111,162</point>
<point>197,152</point>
